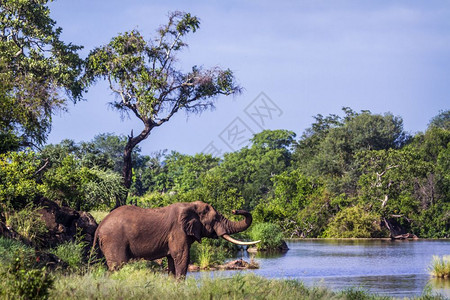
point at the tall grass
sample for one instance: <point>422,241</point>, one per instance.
<point>8,248</point>
<point>72,253</point>
<point>140,283</point>
<point>440,267</point>
<point>205,257</point>
<point>210,253</point>
<point>28,224</point>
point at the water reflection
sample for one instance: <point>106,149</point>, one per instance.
<point>384,267</point>
<point>439,286</point>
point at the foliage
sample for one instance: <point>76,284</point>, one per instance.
<point>23,279</point>
<point>98,215</point>
<point>9,247</point>
<point>18,185</point>
<point>28,223</point>
<point>354,222</point>
<point>79,186</point>
<point>270,235</point>
<point>65,182</point>
<point>71,252</point>
<point>211,252</point>
<point>143,283</point>
<point>328,147</point>
<point>36,65</point>
<point>440,267</point>
<point>102,189</point>
<point>147,83</point>
<point>249,170</point>
<point>217,192</point>
<point>442,120</point>
<point>178,173</point>
<point>313,219</point>
<point>155,199</point>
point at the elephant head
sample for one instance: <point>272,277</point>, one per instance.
<point>200,219</point>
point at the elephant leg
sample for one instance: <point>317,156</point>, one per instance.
<point>116,256</point>
<point>171,265</point>
<point>180,254</point>
<point>181,261</point>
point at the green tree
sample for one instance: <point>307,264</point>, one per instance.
<point>354,222</point>
<point>18,179</point>
<point>36,66</point>
<point>184,171</point>
<point>327,149</point>
<point>148,84</point>
<point>442,120</point>
<point>250,169</point>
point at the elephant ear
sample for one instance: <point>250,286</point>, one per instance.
<point>191,223</point>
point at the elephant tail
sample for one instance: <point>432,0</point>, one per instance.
<point>93,256</point>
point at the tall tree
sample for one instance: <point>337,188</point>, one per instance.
<point>36,66</point>
<point>327,149</point>
<point>148,84</point>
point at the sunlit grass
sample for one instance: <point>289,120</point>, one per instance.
<point>137,281</point>
<point>140,283</point>
<point>99,215</point>
<point>440,267</point>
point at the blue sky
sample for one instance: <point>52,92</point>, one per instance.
<point>294,59</point>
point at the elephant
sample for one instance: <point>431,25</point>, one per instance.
<point>131,232</point>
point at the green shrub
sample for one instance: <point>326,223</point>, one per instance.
<point>440,267</point>
<point>354,222</point>
<point>21,279</point>
<point>8,247</point>
<point>209,253</point>
<point>28,223</point>
<point>205,255</point>
<point>18,185</point>
<point>153,199</point>
<point>270,235</point>
<point>71,252</point>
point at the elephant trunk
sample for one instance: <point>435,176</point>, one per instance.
<point>228,227</point>
<point>239,226</point>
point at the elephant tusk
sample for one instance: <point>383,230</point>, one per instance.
<point>237,242</point>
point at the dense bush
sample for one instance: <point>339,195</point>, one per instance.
<point>270,235</point>
<point>23,278</point>
<point>354,222</point>
<point>27,223</point>
<point>18,181</point>
<point>72,253</point>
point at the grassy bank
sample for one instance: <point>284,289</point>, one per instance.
<point>142,280</point>
<point>132,283</point>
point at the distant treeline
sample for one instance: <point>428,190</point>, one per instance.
<point>356,175</point>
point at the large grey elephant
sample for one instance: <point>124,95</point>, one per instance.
<point>133,232</point>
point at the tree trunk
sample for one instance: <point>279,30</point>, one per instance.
<point>127,169</point>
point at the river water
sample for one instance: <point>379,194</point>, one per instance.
<point>384,267</point>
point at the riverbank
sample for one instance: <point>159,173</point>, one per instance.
<point>132,283</point>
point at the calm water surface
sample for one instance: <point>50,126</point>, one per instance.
<point>392,268</point>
